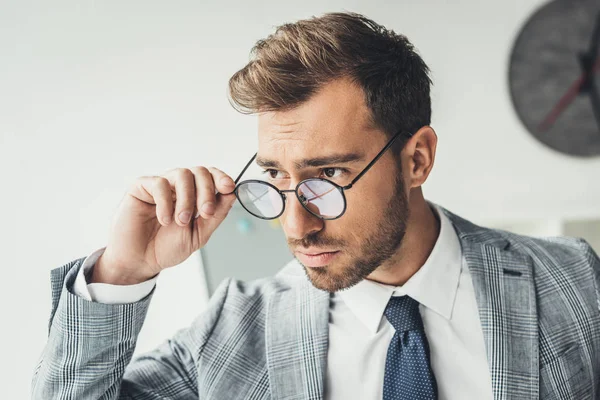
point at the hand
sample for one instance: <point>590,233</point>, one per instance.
<point>150,230</point>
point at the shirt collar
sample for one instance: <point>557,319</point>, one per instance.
<point>434,285</point>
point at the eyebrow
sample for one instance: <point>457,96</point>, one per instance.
<point>335,159</point>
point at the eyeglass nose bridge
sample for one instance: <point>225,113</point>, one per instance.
<point>303,200</point>
<point>299,196</point>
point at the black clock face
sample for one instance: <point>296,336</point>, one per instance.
<point>554,76</point>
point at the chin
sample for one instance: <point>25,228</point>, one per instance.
<point>324,278</point>
<point>321,280</point>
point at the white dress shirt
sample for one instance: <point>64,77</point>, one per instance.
<point>359,334</point>
<point>104,292</point>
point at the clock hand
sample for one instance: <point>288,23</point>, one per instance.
<point>587,59</point>
<point>595,98</point>
<point>568,97</point>
<point>593,50</point>
<point>583,83</point>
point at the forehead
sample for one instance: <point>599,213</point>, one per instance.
<point>334,120</point>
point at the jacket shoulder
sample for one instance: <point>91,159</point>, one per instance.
<point>557,249</point>
<point>559,263</point>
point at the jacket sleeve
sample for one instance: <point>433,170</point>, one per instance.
<point>88,354</point>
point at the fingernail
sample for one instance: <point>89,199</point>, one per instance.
<point>226,181</point>
<point>184,217</point>
<point>208,208</point>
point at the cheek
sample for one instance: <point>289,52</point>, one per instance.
<point>361,219</point>
<point>369,205</point>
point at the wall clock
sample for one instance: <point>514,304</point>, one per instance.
<point>554,76</point>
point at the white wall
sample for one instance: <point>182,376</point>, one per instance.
<point>94,94</point>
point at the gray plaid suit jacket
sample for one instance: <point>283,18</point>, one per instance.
<point>538,299</point>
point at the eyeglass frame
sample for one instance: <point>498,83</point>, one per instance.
<point>341,189</point>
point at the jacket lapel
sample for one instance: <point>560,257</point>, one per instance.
<point>505,293</point>
<point>297,336</point>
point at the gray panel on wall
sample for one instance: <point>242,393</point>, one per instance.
<point>245,248</point>
<point>586,229</point>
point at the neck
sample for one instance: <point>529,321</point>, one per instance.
<point>422,231</point>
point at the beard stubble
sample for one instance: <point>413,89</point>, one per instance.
<point>378,247</point>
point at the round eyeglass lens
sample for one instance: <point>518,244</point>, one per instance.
<point>322,198</point>
<point>260,199</point>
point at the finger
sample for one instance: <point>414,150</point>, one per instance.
<point>205,192</point>
<point>155,190</point>
<point>182,179</point>
<point>224,204</point>
<point>223,182</point>
<point>225,196</point>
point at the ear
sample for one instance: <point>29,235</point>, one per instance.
<point>418,156</point>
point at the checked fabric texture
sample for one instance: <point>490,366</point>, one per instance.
<point>408,373</point>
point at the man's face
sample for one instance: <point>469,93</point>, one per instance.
<point>336,122</point>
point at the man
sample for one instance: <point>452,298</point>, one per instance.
<point>390,296</point>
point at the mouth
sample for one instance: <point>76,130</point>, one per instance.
<point>316,258</point>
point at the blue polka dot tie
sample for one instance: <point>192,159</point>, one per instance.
<point>408,373</point>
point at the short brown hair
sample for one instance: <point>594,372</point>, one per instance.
<point>291,64</point>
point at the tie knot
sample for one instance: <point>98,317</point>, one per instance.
<point>403,313</point>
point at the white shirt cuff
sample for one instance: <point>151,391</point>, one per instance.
<point>107,293</point>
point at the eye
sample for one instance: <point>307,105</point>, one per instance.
<point>273,174</point>
<point>334,172</point>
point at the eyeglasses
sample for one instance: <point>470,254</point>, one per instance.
<point>320,197</point>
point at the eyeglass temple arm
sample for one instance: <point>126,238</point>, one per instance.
<point>377,157</point>
<point>245,168</point>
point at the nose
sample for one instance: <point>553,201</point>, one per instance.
<point>296,221</point>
